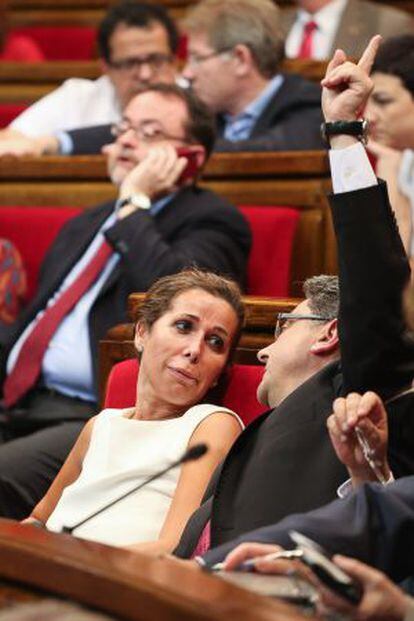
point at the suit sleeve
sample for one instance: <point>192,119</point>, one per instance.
<point>90,140</point>
<point>375,525</point>
<point>214,239</point>
<point>373,271</point>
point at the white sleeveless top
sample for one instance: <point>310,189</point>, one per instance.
<point>122,453</point>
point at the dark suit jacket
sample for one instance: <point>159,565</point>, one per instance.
<point>284,462</point>
<point>291,121</point>
<point>375,525</point>
<point>196,227</point>
<point>360,21</point>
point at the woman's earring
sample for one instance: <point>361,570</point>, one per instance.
<point>140,349</point>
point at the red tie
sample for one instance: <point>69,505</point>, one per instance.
<point>27,367</point>
<point>306,47</point>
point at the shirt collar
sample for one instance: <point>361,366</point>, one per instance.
<point>324,17</point>
<point>258,105</point>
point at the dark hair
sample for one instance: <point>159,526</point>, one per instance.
<point>135,14</point>
<point>201,125</point>
<point>396,57</point>
<point>253,23</point>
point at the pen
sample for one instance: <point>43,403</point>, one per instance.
<point>274,556</point>
<point>368,454</point>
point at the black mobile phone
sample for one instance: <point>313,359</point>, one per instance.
<point>332,576</point>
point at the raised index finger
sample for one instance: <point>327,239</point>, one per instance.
<point>367,59</point>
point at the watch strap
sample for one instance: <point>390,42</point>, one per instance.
<point>359,129</point>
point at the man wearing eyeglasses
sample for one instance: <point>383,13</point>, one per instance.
<point>160,224</point>
<point>137,44</point>
<point>234,52</point>
<point>329,346</point>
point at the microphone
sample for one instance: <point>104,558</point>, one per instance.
<point>191,454</point>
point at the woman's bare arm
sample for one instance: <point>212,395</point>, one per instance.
<point>67,475</point>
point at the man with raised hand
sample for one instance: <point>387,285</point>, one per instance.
<point>284,463</point>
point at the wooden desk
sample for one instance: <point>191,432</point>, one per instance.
<point>35,564</point>
<point>300,179</point>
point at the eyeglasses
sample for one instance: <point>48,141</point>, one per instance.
<point>283,319</point>
<point>146,132</point>
<point>197,59</point>
<point>155,61</point>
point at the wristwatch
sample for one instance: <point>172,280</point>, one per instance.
<point>359,129</point>
<point>139,200</point>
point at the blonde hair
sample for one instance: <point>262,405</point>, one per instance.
<point>254,23</point>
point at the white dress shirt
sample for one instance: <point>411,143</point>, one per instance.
<point>327,20</point>
<point>76,103</point>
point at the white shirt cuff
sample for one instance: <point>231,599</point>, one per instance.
<point>346,488</point>
<point>351,169</point>
<point>65,143</point>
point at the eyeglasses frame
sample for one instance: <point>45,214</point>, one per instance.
<point>280,317</point>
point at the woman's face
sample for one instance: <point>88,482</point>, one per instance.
<point>390,111</point>
<point>186,349</point>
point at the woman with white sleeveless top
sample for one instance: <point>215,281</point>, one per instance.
<point>188,326</point>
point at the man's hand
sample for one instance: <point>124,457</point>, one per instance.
<point>264,563</point>
<point>347,86</point>
<point>18,144</point>
<point>155,175</point>
<point>382,600</point>
<point>367,413</point>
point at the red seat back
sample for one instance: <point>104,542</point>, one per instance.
<point>63,42</point>
<point>240,395</point>
<point>273,231</point>
<point>9,111</point>
<point>32,230</point>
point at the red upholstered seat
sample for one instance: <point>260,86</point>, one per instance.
<point>63,42</point>
<point>9,111</point>
<point>273,230</point>
<point>240,394</point>
<point>32,230</point>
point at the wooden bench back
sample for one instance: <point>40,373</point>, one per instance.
<point>298,179</point>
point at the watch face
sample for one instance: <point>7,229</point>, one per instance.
<point>141,201</point>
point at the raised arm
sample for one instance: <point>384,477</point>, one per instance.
<point>373,267</point>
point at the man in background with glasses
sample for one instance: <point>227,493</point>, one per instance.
<point>160,224</point>
<point>137,46</point>
<point>234,52</point>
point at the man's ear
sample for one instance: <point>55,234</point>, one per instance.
<point>244,59</point>
<point>327,341</point>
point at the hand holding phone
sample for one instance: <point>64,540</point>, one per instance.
<point>332,576</point>
<point>192,166</point>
